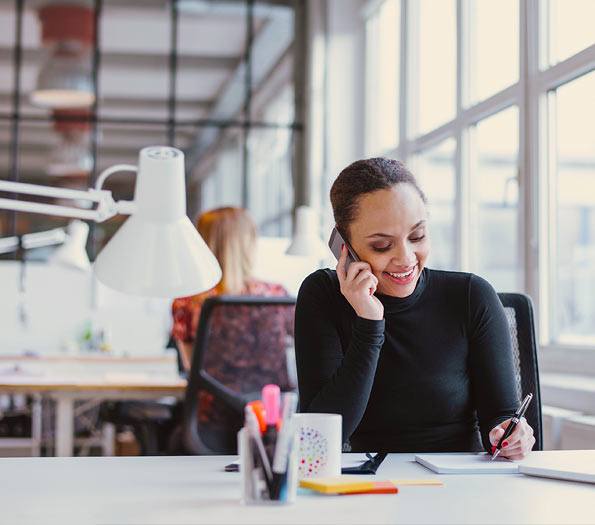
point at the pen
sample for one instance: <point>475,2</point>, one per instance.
<point>513,423</point>
<point>254,432</point>
<point>283,446</point>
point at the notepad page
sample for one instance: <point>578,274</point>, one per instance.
<point>466,464</point>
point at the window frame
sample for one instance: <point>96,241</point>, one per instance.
<point>534,95</point>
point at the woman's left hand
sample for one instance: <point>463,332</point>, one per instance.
<point>518,444</point>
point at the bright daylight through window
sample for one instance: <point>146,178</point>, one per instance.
<point>499,112</point>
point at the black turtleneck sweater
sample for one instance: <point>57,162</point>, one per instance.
<point>435,375</point>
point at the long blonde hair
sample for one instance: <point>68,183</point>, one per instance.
<point>230,233</point>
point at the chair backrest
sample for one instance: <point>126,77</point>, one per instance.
<point>519,313</point>
<point>240,346</point>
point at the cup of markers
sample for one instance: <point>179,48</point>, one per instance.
<point>268,449</point>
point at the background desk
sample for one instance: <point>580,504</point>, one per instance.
<point>193,490</point>
<point>66,380</point>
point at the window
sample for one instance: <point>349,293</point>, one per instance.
<point>575,210</point>
<point>223,181</point>
<point>570,27</point>
<point>493,67</point>
<point>495,176</point>
<point>436,63</point>
<point>500,110</point>
<point>382,77</point>
<point>436,174</point>
<point>271,190</point>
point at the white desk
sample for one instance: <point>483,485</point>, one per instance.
<point>66,380</point>
<point>194,490</point>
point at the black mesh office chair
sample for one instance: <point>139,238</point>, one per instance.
<point>241,345</point>
<point>519,313</point>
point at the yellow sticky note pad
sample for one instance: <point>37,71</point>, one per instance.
<point>358,485</point>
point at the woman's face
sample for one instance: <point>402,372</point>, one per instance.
<point>390,233</point>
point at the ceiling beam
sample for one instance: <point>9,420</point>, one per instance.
<point>197,6</point>
<point>138,60</point>
<point>121,102</point>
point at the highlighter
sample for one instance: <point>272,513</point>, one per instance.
<point>271,398</point>
<point>258,408</point>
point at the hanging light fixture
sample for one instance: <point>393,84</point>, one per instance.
<point>65,79</point>
<point>71,156</point>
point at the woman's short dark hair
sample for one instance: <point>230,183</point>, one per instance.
<point>366,176</point>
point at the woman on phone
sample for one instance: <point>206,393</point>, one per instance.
<point>414,359</point>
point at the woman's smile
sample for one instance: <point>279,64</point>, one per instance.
<point>401,278</point>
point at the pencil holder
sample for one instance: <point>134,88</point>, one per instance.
<point>256,487</point>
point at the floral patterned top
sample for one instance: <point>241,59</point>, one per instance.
<point>186,310</point>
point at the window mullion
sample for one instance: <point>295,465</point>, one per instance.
<point>412,16</point>
<point>462,213</point>
<point>549,237</point>
<point>526,174</point>
<point>404,84</point>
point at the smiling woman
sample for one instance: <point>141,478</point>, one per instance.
<point>414,359</point>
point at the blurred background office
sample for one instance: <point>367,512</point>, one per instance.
<point>490,102</point>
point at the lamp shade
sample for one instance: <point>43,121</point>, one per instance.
<point>306,241</point>
<point>65,79</point>
<point>73,252</point>
<point>158,252</point>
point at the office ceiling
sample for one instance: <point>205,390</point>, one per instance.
<point>134,74</point>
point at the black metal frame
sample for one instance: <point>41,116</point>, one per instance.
<point>171,122</point>
<point>199,379</point>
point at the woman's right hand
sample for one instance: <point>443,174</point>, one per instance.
<point>358,285</point>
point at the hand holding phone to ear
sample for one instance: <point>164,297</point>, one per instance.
<point>358,285</point>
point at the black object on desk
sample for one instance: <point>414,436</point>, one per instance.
<point>367,467</point>
<point>233,467</point>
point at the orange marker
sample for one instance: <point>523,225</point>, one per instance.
<point>258,408</point>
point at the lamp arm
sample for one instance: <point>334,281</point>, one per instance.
<point>106,206</point>
<point>52,209</point>
<point>109,171</point>
<point>33,240</point>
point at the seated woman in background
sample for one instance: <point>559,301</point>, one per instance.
<point>415,360</point>
<point>230,233</point>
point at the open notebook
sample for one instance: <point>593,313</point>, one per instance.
<point>466,464</point>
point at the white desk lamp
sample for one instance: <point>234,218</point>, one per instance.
<point>72,254</point>
<point>306,240</point>
<point>31,241</point>
<point>73,251</point>
<point>157,252</point>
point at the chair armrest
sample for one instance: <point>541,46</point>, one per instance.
<point>231,398</point>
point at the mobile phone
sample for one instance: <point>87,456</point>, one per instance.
<point>233,467</point>
<point>335,243</point>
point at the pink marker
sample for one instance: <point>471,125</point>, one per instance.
<point>271,399</point>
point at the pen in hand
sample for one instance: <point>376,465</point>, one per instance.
<point>513,423</point>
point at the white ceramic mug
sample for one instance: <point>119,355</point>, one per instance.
<point>319,449</point>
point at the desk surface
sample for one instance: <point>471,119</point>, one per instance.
<point>193,490</point>
<point>90,374</point>
<point>106,383</point>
